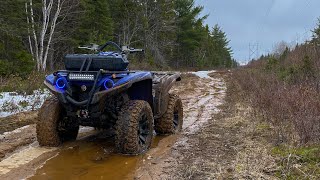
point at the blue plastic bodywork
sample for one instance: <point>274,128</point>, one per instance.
<point>122,80</point>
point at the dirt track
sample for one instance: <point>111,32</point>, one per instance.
<point>216,142</point>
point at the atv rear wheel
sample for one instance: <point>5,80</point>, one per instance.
<point>53,127</point>
<point>134,128</point>
<point>172,120</point>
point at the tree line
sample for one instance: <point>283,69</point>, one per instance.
<point>36,34</point>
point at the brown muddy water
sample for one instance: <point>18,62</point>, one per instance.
<point>91,158</point>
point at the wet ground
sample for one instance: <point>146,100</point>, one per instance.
<point>92,156</point>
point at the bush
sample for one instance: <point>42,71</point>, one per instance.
<point>286,93</point>
<point>21,65</point>
<point>24,64</point>
<point>14,57</point>
<point>26,84</point>
<point>4,68</point>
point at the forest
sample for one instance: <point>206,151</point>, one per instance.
<point>35,35</point>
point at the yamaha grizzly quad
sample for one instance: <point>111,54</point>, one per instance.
<point>98,90</point>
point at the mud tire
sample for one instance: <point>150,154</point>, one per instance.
<point>127,136</point>
<point>169,123</point>
<point>50,123</point>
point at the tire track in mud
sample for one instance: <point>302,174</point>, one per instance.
<point>201,102</point>
<point>201,98</point>
<point>23,157</point>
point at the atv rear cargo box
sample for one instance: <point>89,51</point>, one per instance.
<point>114,62</point>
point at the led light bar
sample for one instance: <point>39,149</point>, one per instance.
<point>81,77</point>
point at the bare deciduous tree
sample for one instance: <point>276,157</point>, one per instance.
<point>41,33</point>
<point>280,47</point>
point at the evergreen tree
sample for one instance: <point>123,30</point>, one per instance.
<point>222,55</point>
<point>96,24</point>
<point>316,34</point>
<point>190,31</point>
<point>14,58</point>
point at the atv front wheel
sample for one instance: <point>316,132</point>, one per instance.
<point>172,120</point>
<point>53,127</point>
<point>134,128</point>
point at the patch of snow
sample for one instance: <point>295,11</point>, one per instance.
<point>203,74</point>
<point>13,103</point>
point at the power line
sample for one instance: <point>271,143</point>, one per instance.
<point>308,2</point>
<point>253,51</point>
<point>254,48</point>
<point>266,15</point>
<point>269,9</point>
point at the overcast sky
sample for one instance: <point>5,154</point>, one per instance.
<point>262,22</point>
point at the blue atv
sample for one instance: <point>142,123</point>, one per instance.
<point>98,90</point>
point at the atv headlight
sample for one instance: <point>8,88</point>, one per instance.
<point>108,83</point>
<point>81,77</point>
<point>61,83</point>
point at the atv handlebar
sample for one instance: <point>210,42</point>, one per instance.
<point>91,47</point>
<point>128,50</point>
<point>136,50</point>
<point>123,49</point>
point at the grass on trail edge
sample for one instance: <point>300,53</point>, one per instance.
<point>294,160</point>
<point>23,85</point>
<point>298,162</point>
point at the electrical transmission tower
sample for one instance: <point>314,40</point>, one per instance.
<point>253,51</point>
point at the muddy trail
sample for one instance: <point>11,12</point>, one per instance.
<point>216,142</point>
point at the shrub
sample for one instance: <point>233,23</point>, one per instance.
<point>26,84</point>
<point>286,93</point>
<point>24,64</point>
<point>4,67</point>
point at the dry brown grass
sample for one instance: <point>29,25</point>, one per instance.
<point>233,145</point>
<point>285,93</point>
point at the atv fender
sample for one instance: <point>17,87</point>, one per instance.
<point>139,87</point>
<point>162,83</point>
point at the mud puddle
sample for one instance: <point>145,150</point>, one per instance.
<point>92,158</point>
